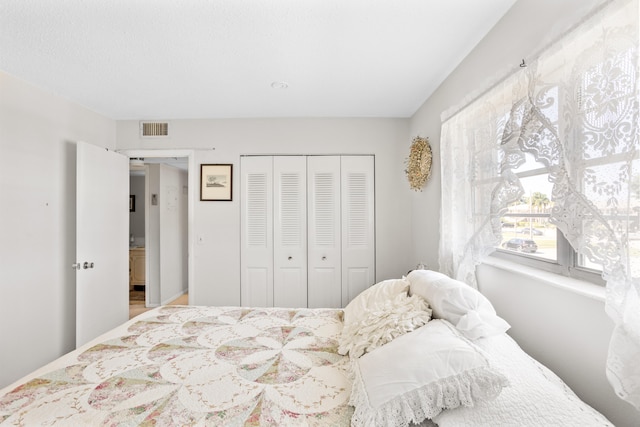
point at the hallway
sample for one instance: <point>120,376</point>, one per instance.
<point>135,309</point>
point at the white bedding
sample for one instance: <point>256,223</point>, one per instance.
<point>179,365</point>
<point>536,396</point>
<point>263,367</point>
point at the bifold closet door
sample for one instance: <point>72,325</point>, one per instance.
<point>358,225</point>
<point>290,231</point>
<point>324,248</point>
<point>307,230</point>
<point>256,258</point>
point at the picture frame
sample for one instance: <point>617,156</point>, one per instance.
<point>132,203</point>
<point>216,182</point>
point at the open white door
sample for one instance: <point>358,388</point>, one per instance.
<point>102,229</point>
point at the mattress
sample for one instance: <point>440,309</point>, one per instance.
<point>186,365</point>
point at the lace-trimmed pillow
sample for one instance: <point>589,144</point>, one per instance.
<point>380,314</point>
<point>418,375</point>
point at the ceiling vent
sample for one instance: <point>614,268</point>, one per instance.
<point>154,129</point>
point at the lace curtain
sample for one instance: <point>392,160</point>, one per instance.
<point>575,109</point>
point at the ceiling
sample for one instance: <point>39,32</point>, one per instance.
<point>173,59</point>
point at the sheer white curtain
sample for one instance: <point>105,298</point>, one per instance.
<point>576,110</point>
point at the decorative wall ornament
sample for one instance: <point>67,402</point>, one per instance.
<point>419,163</point>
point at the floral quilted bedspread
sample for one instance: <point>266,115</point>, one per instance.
<point>184,365</point>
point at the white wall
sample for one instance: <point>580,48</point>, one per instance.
<point>217,224</point>
<point>173,232</point>
<point>38,131</point>
<point>152,233</point>
<point>565,330</point>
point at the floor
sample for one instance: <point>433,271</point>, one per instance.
<point>136,303</point>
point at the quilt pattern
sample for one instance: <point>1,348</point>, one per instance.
<point>184,365</point>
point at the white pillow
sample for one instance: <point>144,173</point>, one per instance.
<point>417,375</point>
<point>382,322</point>
<point>455,301</point>
<point>382,291</point>
<point>379,314</point>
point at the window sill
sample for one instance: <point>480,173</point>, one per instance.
<point>576,286</point>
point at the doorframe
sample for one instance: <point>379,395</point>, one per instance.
<point>192,181</point>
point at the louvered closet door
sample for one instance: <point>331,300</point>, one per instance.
<point>324,243</point>
<point>256,277</point>
<point>358,225</point>
<point>290,231</point>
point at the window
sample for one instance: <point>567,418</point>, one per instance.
<point>569,120</point>
<point>597,152</point>
<point>528,217</point>
<point>541,167</point>
<point>528,235</point>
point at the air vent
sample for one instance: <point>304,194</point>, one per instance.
<point>154,129</point>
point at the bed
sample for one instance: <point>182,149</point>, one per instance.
<point>417,350</point>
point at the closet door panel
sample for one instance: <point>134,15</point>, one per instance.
<point>256,287</point>
<point>358,225</point>
<point>325,290</point>
<point>324,243</point>
<point>256,277</point>
<point>290,231</point>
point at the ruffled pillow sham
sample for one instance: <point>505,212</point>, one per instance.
<point>460,304</point>
<point>380,314</point>
<point>419,374</point>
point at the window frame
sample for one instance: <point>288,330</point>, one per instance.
<point>566,263</point>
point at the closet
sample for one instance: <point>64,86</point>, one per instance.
<point>307,230</point>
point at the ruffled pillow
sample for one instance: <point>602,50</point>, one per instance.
<point>378,293</point>
<point>381,322</point>
<point>464,307</point>
<point>417,375</point>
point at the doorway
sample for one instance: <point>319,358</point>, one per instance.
<point>161,207</point>
<point>137,234</point>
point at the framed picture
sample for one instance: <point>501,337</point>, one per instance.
<point>216,182</point>
<point>132,203</point>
